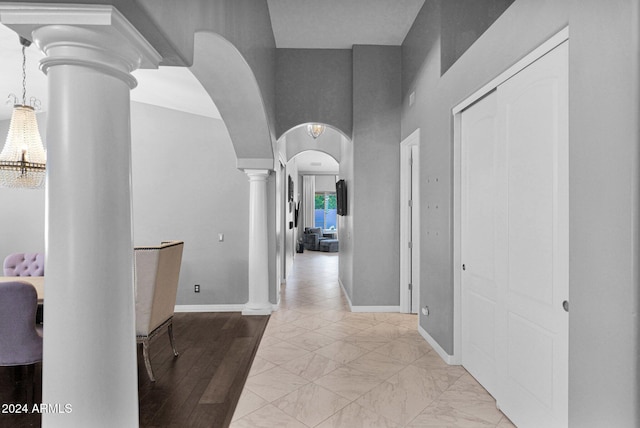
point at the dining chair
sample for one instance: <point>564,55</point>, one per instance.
<point>157,271</point>
<point>24,264</point>
<point>20,340</point>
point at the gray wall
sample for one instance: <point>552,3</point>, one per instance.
<point>313,85</point>
<point>376,181</point>
<point>345,223</point>
<point>462,23</point>
<point>603,120</point>
<point>186,186</point>
<point>291,235</point>
<point>246,24</point>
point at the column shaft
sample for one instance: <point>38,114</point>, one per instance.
<point>89,363</point>
<point>258,303</point>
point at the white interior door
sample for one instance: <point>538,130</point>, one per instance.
<point>514,242</point>
<point>482,160</point>
<point>534,353</point>
<point>410,224</point>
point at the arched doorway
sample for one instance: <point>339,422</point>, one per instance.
<point>302,157</point>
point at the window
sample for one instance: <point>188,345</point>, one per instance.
<point>326,210</point>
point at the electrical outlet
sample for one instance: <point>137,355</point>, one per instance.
<point>196,288</point>
<point>220,237</point>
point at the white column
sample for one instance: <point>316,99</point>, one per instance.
<point>258,303</point>
<point>89,340</point>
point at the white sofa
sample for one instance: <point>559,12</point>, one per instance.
<point>157,270</point>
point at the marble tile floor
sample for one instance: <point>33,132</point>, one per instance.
<point>320,365</point>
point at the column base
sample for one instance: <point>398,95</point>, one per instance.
<point>257,310</point>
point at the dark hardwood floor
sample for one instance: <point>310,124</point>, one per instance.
<point>200,388</point>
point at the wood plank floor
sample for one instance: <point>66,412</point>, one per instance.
<point>200,388</point>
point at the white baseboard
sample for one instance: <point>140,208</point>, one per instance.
<point>449,359</point>
<point>353,308</point>
<point>216,308</point>
<point>344,291</point>
<point>209,308</point>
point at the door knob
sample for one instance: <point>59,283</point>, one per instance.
<point>565,305</point>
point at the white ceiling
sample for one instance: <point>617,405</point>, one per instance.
<point>340,24</point>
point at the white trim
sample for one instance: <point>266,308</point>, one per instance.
<point>25,18</point>
<point>405,224</point>
<point>209,308</point>
<point>528,59</point>
<point>346,295</point>
<point>449,359</point>
<point>537,53</point>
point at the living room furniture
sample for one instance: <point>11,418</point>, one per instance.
<point>312,237</point>
<point>330,233</point>
<point>24,264</point>
<point>157,270</point>
<point>329,245</point>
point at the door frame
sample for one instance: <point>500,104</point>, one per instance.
<point>407,227</point>
<point>540,51</point>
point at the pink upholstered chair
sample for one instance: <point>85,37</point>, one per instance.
<point>157,270</point>
<point>20,340</point>
<point>24,264</point>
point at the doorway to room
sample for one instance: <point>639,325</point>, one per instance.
<point>410,224</point>
<point>306,194</point>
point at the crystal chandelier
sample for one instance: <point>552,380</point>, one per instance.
<point>23,158</point>
<point>315,130</point>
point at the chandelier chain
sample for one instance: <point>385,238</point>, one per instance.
<point>24,76</point>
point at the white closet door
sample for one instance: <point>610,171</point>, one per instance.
<point>482,160</point>
<point>514,242</point>
<point>533,326</point>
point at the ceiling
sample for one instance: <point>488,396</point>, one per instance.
<point>340,24</point>
<point>311,24</point>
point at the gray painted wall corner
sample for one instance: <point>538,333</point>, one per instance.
<point>376,160</point>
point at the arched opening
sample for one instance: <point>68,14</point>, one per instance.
<point>307,172</point>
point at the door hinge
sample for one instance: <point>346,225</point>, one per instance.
<point>410,245</point>
<point>411,203</point>
<point>410,287</point>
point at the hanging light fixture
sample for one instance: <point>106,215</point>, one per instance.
<point>23,158</point>
<point>315,130</point>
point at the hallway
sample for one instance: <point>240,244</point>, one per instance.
<point>320,365</point>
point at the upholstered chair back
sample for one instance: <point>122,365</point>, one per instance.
<point>24,264</point>
<point>157,270</point>
<point>20,343</point>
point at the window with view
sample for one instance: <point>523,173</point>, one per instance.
<point>326,210</point>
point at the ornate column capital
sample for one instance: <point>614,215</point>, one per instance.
<point>257,174</point>
<point>93,36</point>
